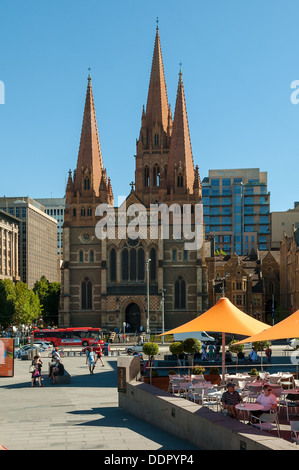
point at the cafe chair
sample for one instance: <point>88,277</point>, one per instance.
<point>175,385</point>
<point>184,391</point>
<point>294,431</point>
<point>278,393</point>
<point>292,405</point>
<point>267,422</point>
<point>263,375</point>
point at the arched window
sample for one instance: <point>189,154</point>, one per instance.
<point>156,140</point>
<point>89,212</point>
<point>180,182</point>
<point>113,265</point>
<point>140,264</point>
<point>156,176</point>
<point>81,256</point>
<point>86,294</point>
<point>125,264</point>
<point>133,264</point>
<point>173,255</point>
<point>91,256</point>
<point>82,211</point>
<point>74,212</point>
<point>146,176</point>
<point>180,293</point>
<point>153,264</point>
<point>86,183</point>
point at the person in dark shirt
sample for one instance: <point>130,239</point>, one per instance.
<point>230,399</point>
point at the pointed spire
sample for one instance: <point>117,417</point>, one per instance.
<point>180,154</point>
<point>157,101</point>
<point>90,155</point>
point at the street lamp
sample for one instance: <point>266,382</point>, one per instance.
<point>162,308</point>
<point>147,300</point>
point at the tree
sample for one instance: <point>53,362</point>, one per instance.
<point>48,293</point>
<point>176,348</point>
<point>150,349</point>
<point>236,348</point>
<point>7,302</point>
<point>260,346</point>
<point>191,346</point>
<point>27,305</point>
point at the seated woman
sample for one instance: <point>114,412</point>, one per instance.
<point>58,369</point>
<point>267,399</point>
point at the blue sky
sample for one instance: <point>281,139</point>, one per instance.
<point>238,61</point>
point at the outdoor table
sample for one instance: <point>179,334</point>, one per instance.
<point>249,407</point>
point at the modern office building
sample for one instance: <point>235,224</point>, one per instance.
<point>38,235</point>
<point>55,208</point>
<point>9,247</point>
<point>236,205</point>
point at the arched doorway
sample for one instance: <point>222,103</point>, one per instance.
<point>133,317</point>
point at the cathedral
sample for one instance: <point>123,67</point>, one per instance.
<point>120,278</point>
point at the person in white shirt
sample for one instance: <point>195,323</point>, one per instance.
<point>267,399</point>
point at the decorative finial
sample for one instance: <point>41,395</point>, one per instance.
<point>89,77</point>
<point>157,21</point>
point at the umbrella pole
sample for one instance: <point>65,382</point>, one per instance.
<point>223,358</point>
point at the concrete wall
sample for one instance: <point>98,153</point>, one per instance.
<point>199,425</point>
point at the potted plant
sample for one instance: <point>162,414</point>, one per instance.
<point>253,372</point>
<point>198,370</point>
<point>213,376</point>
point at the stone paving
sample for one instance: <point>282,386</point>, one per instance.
<point>83,415</point>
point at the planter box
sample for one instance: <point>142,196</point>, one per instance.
<point>213,378</point>
<point>159,382</point>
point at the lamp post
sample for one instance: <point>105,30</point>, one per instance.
<point>162,308</point>
<point>147,300</point>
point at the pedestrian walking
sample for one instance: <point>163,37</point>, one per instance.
<point>35,370</point>
<point>91,361</point>
<point>99,354</point>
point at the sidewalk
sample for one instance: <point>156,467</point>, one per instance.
<point>83,415</point>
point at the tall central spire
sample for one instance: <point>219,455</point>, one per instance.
<point>90,156</point>
<point>157,108</point>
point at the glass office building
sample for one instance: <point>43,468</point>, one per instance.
<point>236,206</point>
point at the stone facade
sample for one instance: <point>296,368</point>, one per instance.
<point>104,281</point>
<point>9,247</point>
<point>289,271</point>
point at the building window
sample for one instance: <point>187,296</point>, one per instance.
<point>86,294</point>
<point>91,256</point>
<point>180,293</point>
<point>133,264</point>
<point>82,211</point>
<point>89,212</point>
<point>153,263</point>
<point>140,264</point>
<point>80,256</point>
<point>86,183</point>
<point>156,140</point>
<point>74,212</point>
<point>180,182</point>
<point>125,264</point>
<point>173,255</point>
<point>146,177</point>
<point>113,265</point>
<point>156,176</point>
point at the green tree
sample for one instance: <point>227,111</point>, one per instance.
<point>176,348</point>
<point>48,293</point>
<point>235,348</point>
<point>27,305</point>
<point>7,302</point>
<point>150,349</point>
<point>191,346</point>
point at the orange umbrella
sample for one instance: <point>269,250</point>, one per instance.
<point>223,317</point>
<point>287,328</point>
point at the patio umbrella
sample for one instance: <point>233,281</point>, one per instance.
<point>287,328</point>
<point>223,317</point>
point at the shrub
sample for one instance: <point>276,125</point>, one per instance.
<point>253,372</point>
<point>198,370</point>
<point>150,349</point>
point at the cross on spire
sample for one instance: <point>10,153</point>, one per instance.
<point>132,184</point>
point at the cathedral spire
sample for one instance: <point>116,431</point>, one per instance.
<point>181,166</point>
<point>90,163</point>
<point>157,101</point>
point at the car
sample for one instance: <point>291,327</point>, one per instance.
<point>294,343</point>
<point>134,349</point>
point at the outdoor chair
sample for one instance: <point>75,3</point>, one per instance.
<point>263,375</point>
<point>278,393</point>
<point>292,404</point>
<point>176,385</point>
<point>196,394</point>
<point>296,383</point>
<point>294,431</point>
<point>253,392</point>
<point>211,399</point>
<point>184,389</point>
<point>197,379</point>
<point>288,383</point>
<point>267,422</point>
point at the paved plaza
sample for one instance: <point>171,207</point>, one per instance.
<point>83,415</point>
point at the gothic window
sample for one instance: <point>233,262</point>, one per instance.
<point>89,212</point>
<point>173,255</point>
<point>153,264</point>
<point>125,264</point>
<point>132,264</point>
<point>74,212</point>
<point>156,176</point>
<point>180,182</point>
<point>81,256</point>
<point>156,140</point>
<point>146,176</point>
<point>113,265</point>
<point>86,183</point>
<point>140,264</point>
<point>91,256</point>
<point>180,293</point>
<point>86,294</point>
<point>82,211</point>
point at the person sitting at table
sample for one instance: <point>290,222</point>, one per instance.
<point>230,399</point>
<point>267,399</point>
<point>252,356</point>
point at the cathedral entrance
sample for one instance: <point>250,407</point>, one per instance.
<point>133,317</point>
